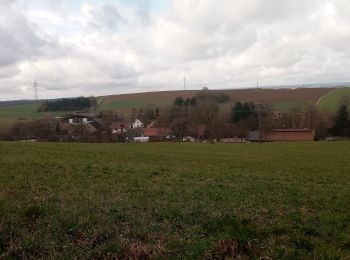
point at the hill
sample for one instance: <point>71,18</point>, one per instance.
<point>280,99</point>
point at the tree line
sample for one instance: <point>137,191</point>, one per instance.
<point>68,104</point>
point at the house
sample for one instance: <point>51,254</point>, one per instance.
<point>96,126</point>
<point>133,133</point>
<point>120,127</point>
<point>290,135</point>
<point>156,134</point>
<point>137,124</point>
<point>79,119</point>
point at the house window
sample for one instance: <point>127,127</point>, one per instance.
<point>77,120</point>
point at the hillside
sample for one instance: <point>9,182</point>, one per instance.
<point>280,99</point>
<point>331,101</point>
<point>16,112</point>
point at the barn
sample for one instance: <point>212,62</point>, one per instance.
<point>156,134</point>
<point>290,135</point>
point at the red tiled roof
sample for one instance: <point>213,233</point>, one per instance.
<point>156,132</point>
<point>291,130</point>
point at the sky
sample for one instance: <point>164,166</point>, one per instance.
<point>100,47</point>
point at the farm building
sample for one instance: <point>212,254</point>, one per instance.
<point>95,126</point>
<point>156,134</point>
<point>120,127</point>
<point>133,133</point>
<point>290,135</point>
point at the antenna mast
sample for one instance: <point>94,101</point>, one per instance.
<point>36,90</point>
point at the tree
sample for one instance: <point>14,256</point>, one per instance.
<point>206,113</point>
<point>178,102</point>
<point>179,127</point>
<point>148,113</point>
<point>243,112</point>
<point>341,125</point>
<point>68,104</point>
<point>108,117</point>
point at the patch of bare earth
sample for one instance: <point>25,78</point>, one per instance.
<point>250,95</point>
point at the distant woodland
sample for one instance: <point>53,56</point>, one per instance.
<point>68,104</point>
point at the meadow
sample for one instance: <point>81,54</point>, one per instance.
<point>175,200</point>
<point>14,113</point>
<point>330,102</point>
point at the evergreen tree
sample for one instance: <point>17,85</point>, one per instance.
<point>242,111</point>
<point>237,112</point>
<point>341,123</point>
<point>178,102</point>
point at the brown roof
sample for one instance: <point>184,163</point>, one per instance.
<point>290,135</point>
<point>156,132</point>
<point>291,130</point>
<point>98,126</point>
<point>121,125</point>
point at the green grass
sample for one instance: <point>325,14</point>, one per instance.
<point>282,200</point>
<point>20,111</point>
<point>331,102</point>
<point>290,105</point>
<point>11,114</point>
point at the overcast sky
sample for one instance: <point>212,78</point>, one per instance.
<point>94,47</point>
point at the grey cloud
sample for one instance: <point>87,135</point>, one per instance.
<point>107,16</point>
<point>18,39</point>
<point>114,47</point>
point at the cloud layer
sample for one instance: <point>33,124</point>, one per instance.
<point>107,47</point>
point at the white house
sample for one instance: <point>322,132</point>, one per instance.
<point>137,124</point>
<point>79,119</point>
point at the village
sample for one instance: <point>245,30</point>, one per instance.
<point>137,132</point>
<point>207,116</point>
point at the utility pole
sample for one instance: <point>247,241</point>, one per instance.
<point>184,83</point>
<point>257,84</point>
<point>36,90</point>
<point>259,108</point>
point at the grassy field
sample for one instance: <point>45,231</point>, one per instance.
<point>290,105</point>
<point>278,200</point>
<point>13,113</point>
<point>331,102</point>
